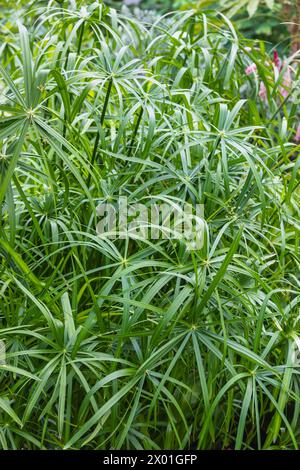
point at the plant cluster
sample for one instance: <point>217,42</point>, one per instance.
<point>143,344</point>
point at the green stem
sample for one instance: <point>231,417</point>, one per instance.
<point>135,131</point>
<point>80,37</point>
<point>101,123</point>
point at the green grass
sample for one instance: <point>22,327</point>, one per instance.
<point>132,344</point>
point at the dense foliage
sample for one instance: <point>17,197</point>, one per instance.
<point>275,21</point>
<point>142,344</point>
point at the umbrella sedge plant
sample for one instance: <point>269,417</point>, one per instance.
<point>130,343</point>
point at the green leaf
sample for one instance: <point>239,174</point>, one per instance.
<point>252,7</point>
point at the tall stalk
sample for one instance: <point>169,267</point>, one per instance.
<point>80,38</point>
<point>102,117</point>
<point>137,125</point>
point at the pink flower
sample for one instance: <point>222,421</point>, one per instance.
<point>297,136</point>
<point>250,69</point>
<point>277,60</point>
<point>286,82</point>
<point>262,92</point>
